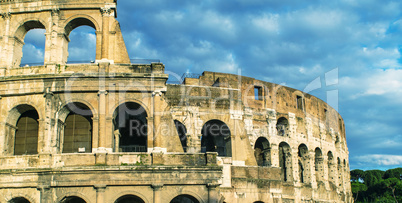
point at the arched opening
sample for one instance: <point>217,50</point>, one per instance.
<point>262,152</point>
<point>130,128</point>
<point>182,132</point>
<point>26,129</point>
<point>285,161</point>
<point>303,163</point>
<point>258,202</point>
<point>81,46</point>
<point>282,126</point>
<point>216,138</point>
<point>129,199</point>
<point>77,128</point>
<point>34,46</point>
<point>318,165</point>
<point>340,180</point>
<point>19,200</point>
<point>184,199</point>
<point>72,199</point>
<point>33,51</point>
<point>331,167</point>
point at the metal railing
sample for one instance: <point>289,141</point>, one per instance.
<point>133,148</point>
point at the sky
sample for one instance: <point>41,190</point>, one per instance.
<point>346,52</point>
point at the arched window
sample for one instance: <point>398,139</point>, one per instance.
<point>318,165</point>
<point>216,138</point>
<point>18,200</point>
<point>78,128</point>
<point>262,152</point>
<point>130,128</point>
<point>182,132</point>
<point>340,174</point>
<point>282,127</point>
<point>82,41</point>
<point>25,118</point>
<point>331,167</point>
<point>82,45</point>
<point>34,48</point>
<point>285,161</point>
<point>72,199</point>
<point>303,163</point>
<point>184,199</point>
<point>129,199</point>
<point>30,50</point>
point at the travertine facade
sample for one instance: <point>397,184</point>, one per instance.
<point>113,131</point>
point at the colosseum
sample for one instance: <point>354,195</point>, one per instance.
<point>114,131</point>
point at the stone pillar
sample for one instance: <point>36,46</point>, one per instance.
<point>313,173</point>
<point>53,54</point>
<point>106,13</point>
<point>102,120</point>
<point>100,193</point>
<point>45,195</point>
<point>6,53</point>
<point>213,193</point>
<point>275,155</point>
<point>157,195</point>
<point>156,103</point>
<point>42,141</point>
<point>49,141</point>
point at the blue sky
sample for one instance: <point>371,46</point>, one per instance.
<point>289,42</point>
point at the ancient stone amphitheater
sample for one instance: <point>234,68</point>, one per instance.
<point>113,131</point>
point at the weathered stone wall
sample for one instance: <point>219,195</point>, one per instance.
<point>216,138</point>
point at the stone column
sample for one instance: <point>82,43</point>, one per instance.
<point>275,155</point>
<point>106,13</point>
<point>212,193</point>
<point>45,196</point>
<point>156,100</point>
<point>157,195</point>
<point>100,193</point>
<point>102,120</point>
<point>49,141</point>
<point>6,53</point>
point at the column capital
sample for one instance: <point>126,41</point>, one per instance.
<point>157,186</point>
<point>212,186</point>
<point>6,15</point>
<point>105,11</point>
<point>100,188</point>
<point>43,187</point>
<point>104,92</point>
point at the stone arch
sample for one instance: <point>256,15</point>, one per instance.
<point>75,22</point>
<point>184,199</point>
<point>216,137</point>
<point>331,167</point>
<point>122,102</point>
<point>22,130</point>
<point>303,158</point>
<point>340,174</point>
<point>72,199</point>
<point>262,152</point>
<point>182,132</point>
<point>282,127</point>
<point>128,193</point>
<point>129,199</point>
<point>285,162</point>
<point>19,200</point>
<point>75,128</point>
<point>23,28</point>
<point>80,20</point>
<point>319,164</point>
<point>130,122</point>
<point>187,192</point>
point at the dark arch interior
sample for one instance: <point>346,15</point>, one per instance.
<point>19,200</point>
<point>285,161</point>
<point>216,138</point>
<point>181,131</point>
<point>78,129</point>
<point>184,199</point>
<point>72,199</point>
<point>26,135</point>
<point>129,199</point>
<point>130,123</point>
<point>262,152</point>
<point>282,126</point>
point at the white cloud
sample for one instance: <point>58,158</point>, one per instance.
<point>379,159</point>
<point>267,22</point>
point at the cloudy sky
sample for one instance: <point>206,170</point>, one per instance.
<point>349,47</point>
